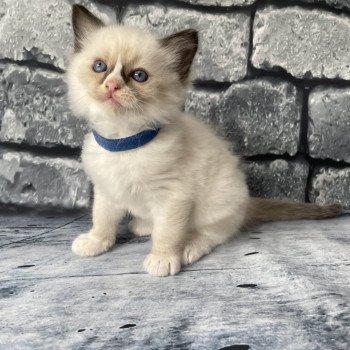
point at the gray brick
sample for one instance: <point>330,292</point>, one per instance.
<point>224,37</point>
<point>34,109</point>
<point>204,105</point>
<point>41,30</point>
<point>339,4</point>
<point>221,2</point>
<point>306,43</point>
<point>258,116</point>
<point>278,179</point>
<point>331,185</point>
<point>262,116</point>
<point>329,123</point>
<point>29,180</point>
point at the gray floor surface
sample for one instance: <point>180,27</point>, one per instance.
<point>278,286</point>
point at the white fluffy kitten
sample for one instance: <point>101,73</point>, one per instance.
<point>184,187</point>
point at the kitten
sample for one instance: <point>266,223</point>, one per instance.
<point>182,185</point>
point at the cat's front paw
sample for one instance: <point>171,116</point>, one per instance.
<point>86,245</point>
<point>162,265</point>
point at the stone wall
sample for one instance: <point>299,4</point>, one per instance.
<point>273,77</point>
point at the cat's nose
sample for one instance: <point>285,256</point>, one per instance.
<point>112,85</point>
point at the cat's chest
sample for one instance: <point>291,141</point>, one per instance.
<point>122,175</point>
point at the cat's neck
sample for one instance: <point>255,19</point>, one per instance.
<point>111,130</point>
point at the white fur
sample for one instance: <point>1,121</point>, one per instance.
<point>185,183</point>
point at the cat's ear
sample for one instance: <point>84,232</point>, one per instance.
<point>183,45</point>
<point>83,22</point>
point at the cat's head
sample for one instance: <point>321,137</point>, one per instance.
<point>120,74</point>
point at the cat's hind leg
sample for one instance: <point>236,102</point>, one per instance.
<point>197,246</point>
<point>140,226</point>
<point>205,239</point>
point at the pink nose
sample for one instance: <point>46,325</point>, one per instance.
<point>112,85</point>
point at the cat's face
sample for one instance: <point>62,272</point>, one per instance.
<point>118,71</point>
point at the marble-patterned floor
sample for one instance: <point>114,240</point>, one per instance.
<point>278,286</point>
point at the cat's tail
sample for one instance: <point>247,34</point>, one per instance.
<point>265,210</point>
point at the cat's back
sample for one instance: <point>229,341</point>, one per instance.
<point>204,140</point>
<point>211,159</point>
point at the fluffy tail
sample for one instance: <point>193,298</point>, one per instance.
<point>265,210</point>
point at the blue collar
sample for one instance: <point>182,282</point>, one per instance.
<point>127,143</point>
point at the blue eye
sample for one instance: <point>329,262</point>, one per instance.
<point>139,75</point>
<point>99,66</point>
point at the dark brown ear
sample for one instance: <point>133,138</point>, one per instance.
<point>84,22</point>
<point>184,46</point>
